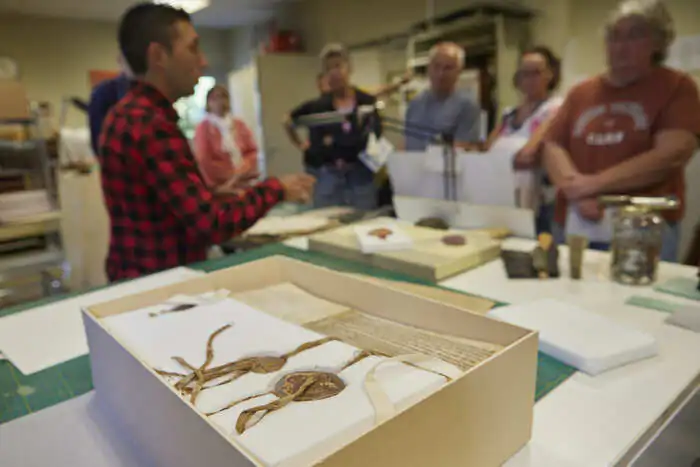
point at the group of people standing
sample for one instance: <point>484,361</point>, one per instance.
<point>630,130</point>
<point>331,152</point>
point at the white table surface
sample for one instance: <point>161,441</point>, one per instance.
<point>586,421</point>
<point>594,421</point>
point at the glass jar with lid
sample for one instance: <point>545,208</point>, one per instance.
<point>637,238</point>
<point>636,245</point>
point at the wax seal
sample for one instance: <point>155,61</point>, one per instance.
<point>381,233</point>
<point>454,240</point>
<point>324,385</point>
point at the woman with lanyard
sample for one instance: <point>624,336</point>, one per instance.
<point>224,145</point>
<point>523,127</point>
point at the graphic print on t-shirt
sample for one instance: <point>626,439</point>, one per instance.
<point>611,124</point>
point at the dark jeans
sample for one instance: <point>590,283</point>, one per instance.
<point>544,219</point>
<point>353,185</point>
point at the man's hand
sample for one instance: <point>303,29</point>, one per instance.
<point>238,182</point>
<point>579,186</point>
<point>297,187</point>
<point>304,145</point>
<point>590,209</point>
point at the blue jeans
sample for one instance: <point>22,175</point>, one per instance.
<point>544,218</point>
<point>353,185</point>
<point>670,240</point>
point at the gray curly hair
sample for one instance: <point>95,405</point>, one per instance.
<point>656,16</point>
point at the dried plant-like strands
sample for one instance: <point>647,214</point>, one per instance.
<point>260,365</point>
<point>171,374</point>
<point>196,381</point>
<point>243,422</point>
<point>373,353</point>
<point>361,355</point>
<point>175,309</point>
<point>308,346</point>
<point>197,374</point>
<point>302,386</point>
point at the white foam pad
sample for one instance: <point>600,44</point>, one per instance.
<point>585,340</point>
<point>301,433</point>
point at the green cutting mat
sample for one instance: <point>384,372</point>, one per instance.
<point>21,395</point>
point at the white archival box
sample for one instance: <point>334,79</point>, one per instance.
<point>481,418</point>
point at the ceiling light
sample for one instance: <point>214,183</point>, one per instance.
<point>190,6</point>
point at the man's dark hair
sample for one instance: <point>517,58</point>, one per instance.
<point>553,63</point>
<point>143,24</point>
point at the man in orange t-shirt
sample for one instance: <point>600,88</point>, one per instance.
<point>631,130</point>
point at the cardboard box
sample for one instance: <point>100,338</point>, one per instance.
<point>480,419</point>
<point>429,258</point>
<point>15,105</point>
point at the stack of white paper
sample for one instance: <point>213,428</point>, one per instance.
<point>300,433</point>
<point>382,236</point>
<point>584,340</point>
<point>19,205</point>
<point>45,336</point>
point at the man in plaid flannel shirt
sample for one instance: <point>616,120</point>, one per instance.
<point>162,214</point>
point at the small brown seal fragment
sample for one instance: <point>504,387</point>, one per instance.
<point>454,240</point>
<point>381,233</point>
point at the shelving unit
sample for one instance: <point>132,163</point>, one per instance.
<point>31,255</point>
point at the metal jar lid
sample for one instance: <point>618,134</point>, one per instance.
<point>644,203</point>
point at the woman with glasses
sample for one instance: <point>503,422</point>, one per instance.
<point>523,127</point>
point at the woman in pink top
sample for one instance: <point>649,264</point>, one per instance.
<point>224,145</point>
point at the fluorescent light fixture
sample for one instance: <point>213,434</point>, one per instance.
<point>190,6</point>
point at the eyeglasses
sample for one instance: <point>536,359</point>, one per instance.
<point>530,73</point>
<point>631,35</point>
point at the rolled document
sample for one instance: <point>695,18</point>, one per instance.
<point>577,245</point>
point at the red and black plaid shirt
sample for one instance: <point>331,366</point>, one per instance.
<point>162,215</point>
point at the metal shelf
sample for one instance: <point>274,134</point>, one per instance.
<point>34,226</point>
<point>16,265</point>
<point>19,146</point>
<point>24,266</point>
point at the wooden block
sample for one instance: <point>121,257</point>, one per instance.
<point>429,259</point>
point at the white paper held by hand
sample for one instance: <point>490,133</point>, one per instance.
<point>48,335</point>
<point>376,154</point>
